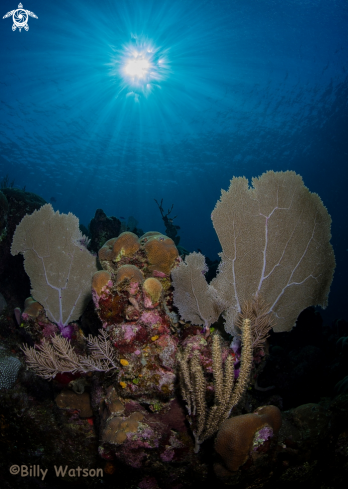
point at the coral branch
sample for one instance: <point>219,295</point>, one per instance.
<point>49,359</point>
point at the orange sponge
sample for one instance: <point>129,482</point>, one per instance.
<point>235,438</point>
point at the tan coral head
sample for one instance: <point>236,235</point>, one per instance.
<point>160,250</point>
<point>237,436</point>
<point>152,289</point>
<point>130,274</point>
<point>100,280</point>
<point>126,244</point>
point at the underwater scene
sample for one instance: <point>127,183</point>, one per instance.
<point>174,244</point>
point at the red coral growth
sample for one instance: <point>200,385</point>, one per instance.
<point>142,336</point>
<point>111,309</point>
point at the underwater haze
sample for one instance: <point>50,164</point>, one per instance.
<point>112,104</point>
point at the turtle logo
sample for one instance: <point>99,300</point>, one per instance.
<point>20,18</point>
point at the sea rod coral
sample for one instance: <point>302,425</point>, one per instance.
<point>227,392</point>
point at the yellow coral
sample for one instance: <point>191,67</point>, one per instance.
<point>99,280</point>
<point>123,385</point>
<point>160,250</point>
<point>153,288</point>
<point>154,338</point>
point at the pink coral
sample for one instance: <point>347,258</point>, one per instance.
<point>156,273</point>
<point>129,331</point>
<point>150,317</point>
<point>49,330</point>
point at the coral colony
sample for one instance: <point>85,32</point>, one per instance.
<point>161,342</point>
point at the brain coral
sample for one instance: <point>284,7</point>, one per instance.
<point>236,435</point>
<point>100,279</point>
<point>160,250</point>
<point>9,367</point>
<point>129,272</point>
<point>126,244</point>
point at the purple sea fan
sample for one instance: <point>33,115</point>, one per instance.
<point>60,271</point>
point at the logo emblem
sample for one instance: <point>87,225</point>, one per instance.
<point>20,18</point>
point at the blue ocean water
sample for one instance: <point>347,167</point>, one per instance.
<point>228,88</point>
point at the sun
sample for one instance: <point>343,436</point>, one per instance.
<point>142,66</point>
<point>137,67</point>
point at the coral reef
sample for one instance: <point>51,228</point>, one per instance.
<point>130,397</point>
<point>131,301</point>
<point>137,347</point>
